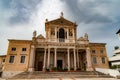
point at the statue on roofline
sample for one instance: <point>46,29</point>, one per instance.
<point>86,36</point>
<point>34,33</point>
<point>62,14</point>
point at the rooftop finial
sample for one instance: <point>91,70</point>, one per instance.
<point>46,20</point>
<point>34,33</point>
<point>61,14</point>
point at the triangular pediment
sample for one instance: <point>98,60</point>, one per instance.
<point>81,39</point>
<point>40,36</point>
<point>61,21</point>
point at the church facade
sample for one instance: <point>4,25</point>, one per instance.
<point>60,49</point>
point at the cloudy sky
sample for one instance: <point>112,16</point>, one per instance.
<point>99,18</point>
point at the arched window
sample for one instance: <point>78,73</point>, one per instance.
<point>61,33</point>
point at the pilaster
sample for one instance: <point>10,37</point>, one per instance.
<point>68,60</point>
<point>78,59</point>
<point>55,58</point>
<point>44,64</point>
<point>88,57</point>
<point>32,59</point>
<point>74,60</point>
<point>48,62</point>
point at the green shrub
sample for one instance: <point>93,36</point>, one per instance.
<point>47,69</point>
<point>71,68</point>
<point>65,69</point>
<point>115,66</point>
<point>54,68</point>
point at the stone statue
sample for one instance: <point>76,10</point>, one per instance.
<point>61,14</point>
<point>34,33</point>
<point>86,36</point>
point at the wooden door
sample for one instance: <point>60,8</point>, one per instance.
<point>40,66</point>
<point>59,64</point>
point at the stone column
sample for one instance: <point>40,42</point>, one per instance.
<point>68,60</point>
<point>67,34</point>
<point>55,58</point>
<point>74,60</point>
<point>44,64</point>
<point>32,59</point>
<point>88,57</point>
<point>80,62</point>
<point>56,34</point>
<point>73,33</point>
<point>48,62</point>
<point>78,59</point>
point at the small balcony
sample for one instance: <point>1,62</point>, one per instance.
<point>61,40</point>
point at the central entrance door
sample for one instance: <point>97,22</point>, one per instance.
<point>59,64</point>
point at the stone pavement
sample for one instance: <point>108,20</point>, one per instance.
<point>67,79</point>
<point>61,76</point>
<point>51,75</point>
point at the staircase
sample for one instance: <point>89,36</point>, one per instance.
<point>44,75</point>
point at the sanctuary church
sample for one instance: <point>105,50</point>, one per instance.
<point>60,49</point>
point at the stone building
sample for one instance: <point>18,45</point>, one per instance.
<point>60,49</point>
<point>115,59</point>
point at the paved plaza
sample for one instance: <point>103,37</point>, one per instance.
<point>67,79</point>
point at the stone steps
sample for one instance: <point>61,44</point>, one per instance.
<point>39,75</point>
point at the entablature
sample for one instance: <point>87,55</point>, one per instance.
<point>63,45</point>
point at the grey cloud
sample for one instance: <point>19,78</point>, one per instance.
<point>84,11</point>
<point>22,10</point>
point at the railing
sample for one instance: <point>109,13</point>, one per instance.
<point>111,72</point>
<point>61,40</point>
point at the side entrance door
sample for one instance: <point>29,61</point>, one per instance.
<point>59,64</point>
<point>40,66</point>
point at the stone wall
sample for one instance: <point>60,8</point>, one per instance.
<point>9,74</point>
<point>98,47</point>
<point>16,65</point>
